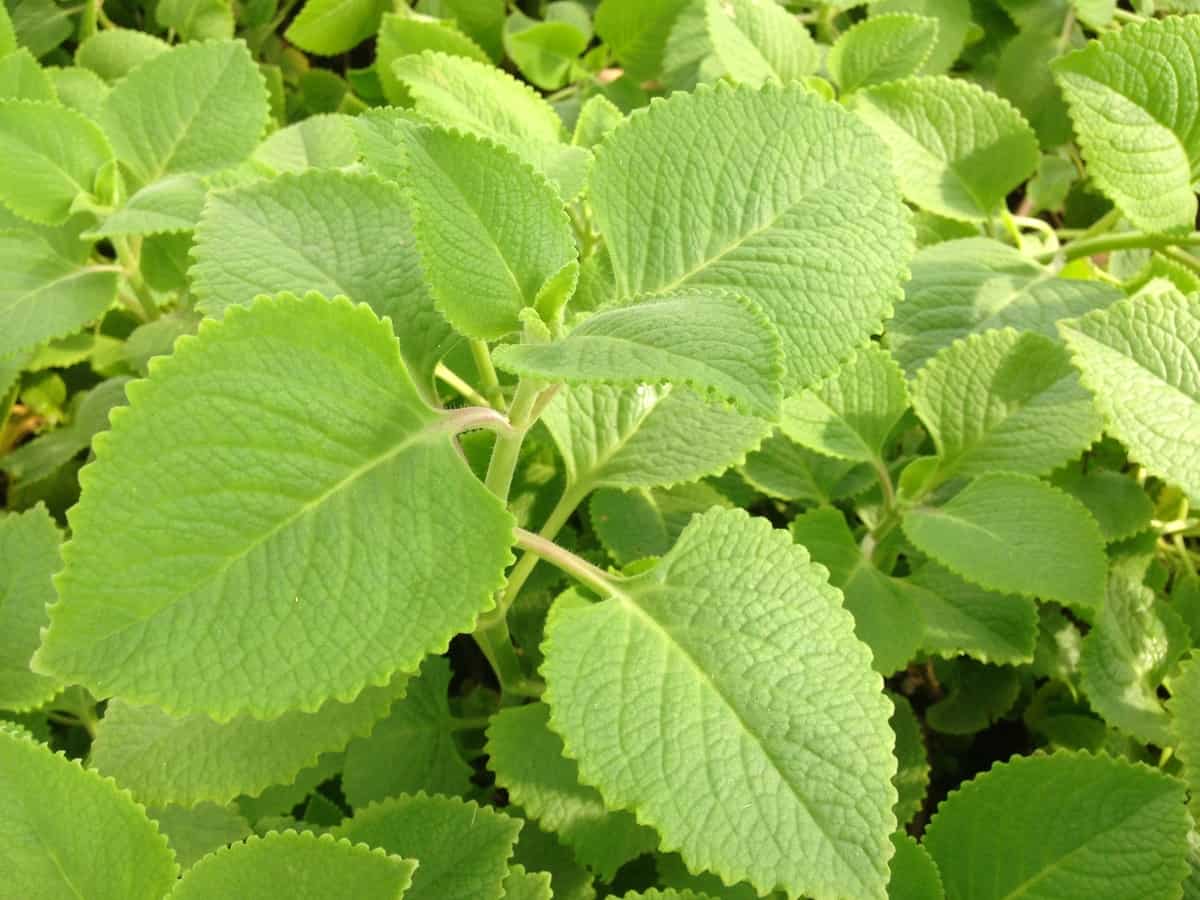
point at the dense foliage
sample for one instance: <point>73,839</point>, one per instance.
<point>648,448</point>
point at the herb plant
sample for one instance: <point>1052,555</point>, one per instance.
<point>685,449</point>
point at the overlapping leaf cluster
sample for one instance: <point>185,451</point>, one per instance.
<point>667,449</point>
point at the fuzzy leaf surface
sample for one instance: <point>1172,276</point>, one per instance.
<point>29,547</point>
<point>963,618</point>
<point>881,49</point>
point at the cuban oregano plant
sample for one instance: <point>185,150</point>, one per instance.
<point>677,449</point>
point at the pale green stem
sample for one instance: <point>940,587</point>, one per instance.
<point>508,447</point>
<point>131,267</point>
<point>450,377</point>
<point>1134,240</point>
<point>487,373</point>
<point>578,568</point>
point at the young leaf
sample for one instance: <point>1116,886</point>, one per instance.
<point>404,34</point>
<point>113,53</point>
<point>171,204</point>
<point>198,107</point>
<point>218,575</point>
<point>1005,401</point>
<point>332,232</point>
<point>1125,658</point>
<point>1015,534</point>
<point>1068,825</point>
<point>197,831</point>
<point>958,149</point>
<point>913,876</point>
<point>636,32</point>
<point>491,231</point>
<point>329,27</point>
<point>545,50</point>
<point>412,748</point>
<point>772,194</point>
<point>1142,145</point>
<point>851,413</point>
<point>881,49</point>
<point>970,286</point>
<point>645,436</point>
<point>962,618</point>
<point>954,26</point>
<point>1141,358</point>
<point>67,832</point>
<point>461,93</point>
<point>711,341</point>
<point>49,290</point>
<point>29,548</point>
<point>325,141</point>
<point>53,154</point>
<point>302,865</point>
<point>748,43</point>
<point>163,759</point>
<point>721,632</point>
<point>462,849</point>
<point>528,760</point>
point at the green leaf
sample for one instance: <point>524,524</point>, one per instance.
<point>79,89</point>
<point>1141,144</point>
<point>1006,401</point>
<point>197,107</point>
<point>171,204</point>
<point>163,759</point>
<point>636,32</point>
<point>412,748</point>
<point>1118,503</point>
<point>113,53</point>
<point>1184,707</point>
<point>954,25</point>
<point>41,25</point>
<point>913,874</point>
<point>196,20</point>
<point>224,545</point>
<point>645,436</point>
<point>193,833</point>
<point>1125,658</point>
<point>539,851</point>
<point>1015,534</point>
<point>304,866</point>
<point>545,50</point>
<point>958,150</point>
<point>67,832</point>
<point>404,34</point>
<point>741,40</point>
<point>970,286</point>
<point>881,49</point>
<point>8,37</point>
<point>21,78</point>
<point>330,27</point>
<point>1068,825</point>
<point>462,849</point>
<point>57,152</point>
<point>332,232</point>
<point>1024,78</point>
<point>522,885</point>
<point>782,468</point>
<point>886,615</point>
<point>912,773</point>
<point>527,758</point>
<point>48,291</point>
<point>976,696</point>
<point>713,342</point>
<point>962,618</point>
<point>1141,358</point>
<point>491,232</point>
<point>29,551</point>
<point>325,141</point>
<point>723,632</point>
<point>464,94</point>
<point>851,413</point>
<point>639,523</point>
<point>480,20</point>
<point>773,194</point>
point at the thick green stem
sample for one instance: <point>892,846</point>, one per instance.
<point>487,373</point>
<point>508,447</point>
<point>497,647</point>
<point>1133,240</point>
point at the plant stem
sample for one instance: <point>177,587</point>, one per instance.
<point>885,484</point>
<point>444,373</point>
<point>577,567</point>
<point>496,645</point>
<point>131,268</point>
<point>1186,260</point>
<point>1133,240</point>
<point>468,418</point>
<point>508,446</point>
<point>487,373</point>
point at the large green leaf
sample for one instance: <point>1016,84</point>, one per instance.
<point>1006,401</point>
<point>332,232</point>
<point>300,866</point>
<point>1141,358</point>
<point>713,342</point>
<point>491,232</point>
<point>958,149</point>
<point>636,32</point>
<point>963,618</point>
<point>324,141</point>
<point>249,586</point>
<point>969,286</point>
<point>163,759</point>
<point>1015,534</point>
<point>403,34</point>
<point>954,26</point>
<point>881,49</point>
<point>197,107</point>
<point>1141,139</point>
<point>1064,826</point>
<point>462,849</point>
<point>645,436</point>
<point>49,289</point>
<point>67,832</point>
<point>412,748</point>
<point>329,27</point>
<point>527,758</point>
<point>773,194</point>
<point>735,635</point>
<point>194,832</point>
<point>21,78</point>
<point>51,155</point>
<point>638,523</point>
<point>29,555</point>
<point>913,874</point>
